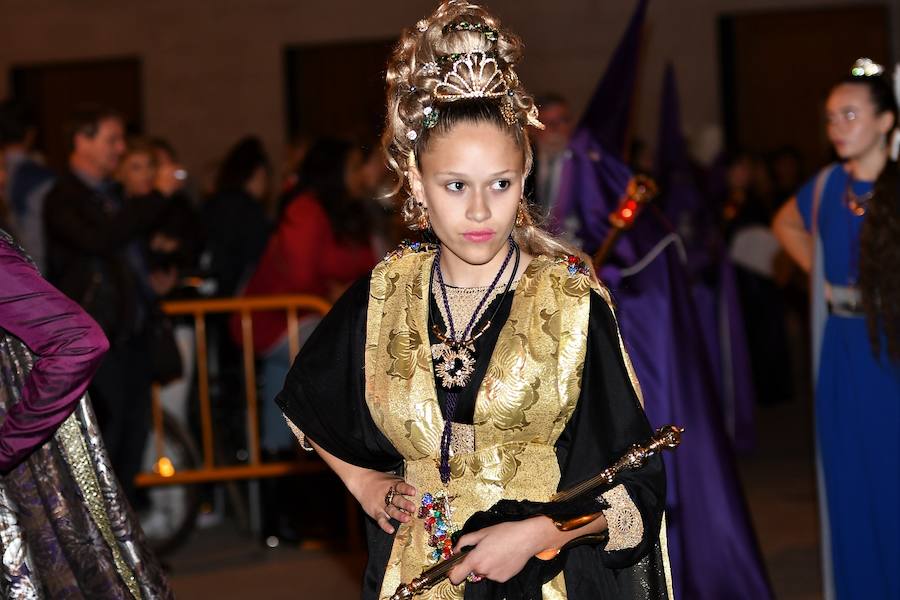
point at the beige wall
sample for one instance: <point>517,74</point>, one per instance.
<point>213,68</point>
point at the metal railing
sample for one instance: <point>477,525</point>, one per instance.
<point>164,472</point>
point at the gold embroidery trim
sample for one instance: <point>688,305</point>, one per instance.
<point>75,452</point>
<point>301,437</point>
<point>626,528</point>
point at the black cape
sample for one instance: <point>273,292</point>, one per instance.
<point>324,397</point>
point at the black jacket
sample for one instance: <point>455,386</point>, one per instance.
<point>237,231</point>
<point>87,238</point>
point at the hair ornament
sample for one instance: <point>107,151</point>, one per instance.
<point>411,135</point>
<point>431,117</point>
<point>489,33</point>
<point>473,75</point>
<point>508,112</point>
<point>430,69</point>
<point>865,67</point>
<point>422,25</point>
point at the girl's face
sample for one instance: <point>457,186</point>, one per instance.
<point>854,126</point>
<point>137,173</point>
<point>470,180</point>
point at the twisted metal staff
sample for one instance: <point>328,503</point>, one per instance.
<point>640,190</point>
<point>664,438</point>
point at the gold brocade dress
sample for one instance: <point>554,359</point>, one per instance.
<point>525,402</point>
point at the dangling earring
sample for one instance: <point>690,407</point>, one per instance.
<point>522,216</point>
<point>423,223</point>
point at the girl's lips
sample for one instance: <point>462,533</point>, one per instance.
<point>478,236</point>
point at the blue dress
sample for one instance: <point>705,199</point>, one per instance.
<point>857,416</point>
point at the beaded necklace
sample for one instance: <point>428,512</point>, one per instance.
<point>455,355</point>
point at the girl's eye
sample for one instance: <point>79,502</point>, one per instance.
<point>501,184</point>
<point>456,186</point>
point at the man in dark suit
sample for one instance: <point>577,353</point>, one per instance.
<point>94,257</point>
<point>549,151</point>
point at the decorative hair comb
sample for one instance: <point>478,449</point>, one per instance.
<point>865,67</point>
<point>473,75</point>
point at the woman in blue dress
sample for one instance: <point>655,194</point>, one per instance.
<point>843,227</point>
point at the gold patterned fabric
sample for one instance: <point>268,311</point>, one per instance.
<point>530,390</point>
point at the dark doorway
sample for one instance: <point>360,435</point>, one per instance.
<point>51,91</point>
<point>337,89</point>
<point>778,66</point>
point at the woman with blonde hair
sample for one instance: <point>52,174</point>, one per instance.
<point>487,366</point>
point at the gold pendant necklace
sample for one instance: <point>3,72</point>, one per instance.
<point>455,359</point>
<point>456,356</point>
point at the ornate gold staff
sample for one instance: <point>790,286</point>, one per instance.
<point>640,190</point>
<point>665,438</point>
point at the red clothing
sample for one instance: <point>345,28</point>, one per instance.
<point>302,257</point>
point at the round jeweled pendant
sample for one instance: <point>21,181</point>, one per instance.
<point>455,366</point>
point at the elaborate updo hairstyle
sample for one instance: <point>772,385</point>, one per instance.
<point>456,66</point>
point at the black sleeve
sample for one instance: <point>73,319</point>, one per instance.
<point>91,231</point>
<point>324,393</point>
<point>607,421</point>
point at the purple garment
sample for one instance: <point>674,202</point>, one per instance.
<point>65,529</point>
<point>589,172</point>
<point>712,547</point>
<point>710,270</point>
<point>608,116</point>
<point>67,346</point>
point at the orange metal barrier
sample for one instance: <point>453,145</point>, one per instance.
<point>164,473</point>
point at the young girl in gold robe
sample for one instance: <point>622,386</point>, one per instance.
<point>485,366</point>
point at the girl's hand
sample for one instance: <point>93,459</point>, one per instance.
<point>501,551</point>
<point>374,488</point>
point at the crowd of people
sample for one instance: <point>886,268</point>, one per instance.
<point>121,229</point>
<point>510,307</point>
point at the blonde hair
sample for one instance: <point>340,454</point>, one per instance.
<point>415,113</point>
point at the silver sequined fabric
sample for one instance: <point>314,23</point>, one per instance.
<point>66,530</point>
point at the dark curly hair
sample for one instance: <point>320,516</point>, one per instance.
<point>879,239</point>
<point>879,264</point>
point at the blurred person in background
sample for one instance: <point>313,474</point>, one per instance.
<point>28,179</point>
<point>786,171</point>
<point>842,227</point>
<point>294,153</point>
<point>388,228</point>
<point>550,150</point>
<point>754,250</point>
<point>93,256</point>
<point>236,223</point>
<point>320,245</point>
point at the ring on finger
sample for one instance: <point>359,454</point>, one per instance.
<point>389,497</point>
<point>473,577</point>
